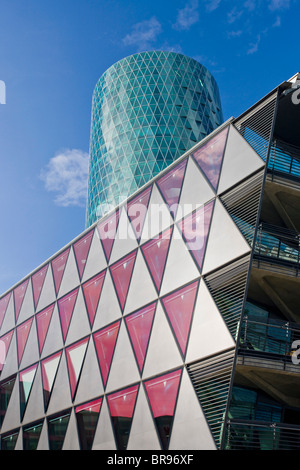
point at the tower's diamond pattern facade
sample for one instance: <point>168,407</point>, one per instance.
<point>147,110</point>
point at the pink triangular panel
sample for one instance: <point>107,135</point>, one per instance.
<point>155,252</point>
<point>19,294</point>
<point>195,229</point>
<point>105,341</point>
<point>75,356</point>
<point>210,156</point>
<point>139,327</point>
<point>4,346</point>
<point>121,404</point>
<point>42,321</point>
<point>179,307</point>
<point>66,306</point>
<point>170,185</point>
<point>121,274</point>
<point>107,230</point>
<point>37,283</point>
<point>22,336</point>
<point>3,307</point>
<point>58,267</point>
<point>137,209</point>
<point>162,393</point>
<point>92,290</point>
<point>81,250</point>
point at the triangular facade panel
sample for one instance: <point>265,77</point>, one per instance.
<point>43,319</point>
<point>23,331</point>
<point>58,267</point>
<point>81,250</point>
<point>121,274</point>
<point>137,209</point>
<point>92,290</point>
<point>66,306</point>
<point>49,367</point>
<point>37,281</point>
<point>19,294</point>
<point>105,341</point>
<point>75,355</point>
<point>107,230</point>
<point>170,186</point>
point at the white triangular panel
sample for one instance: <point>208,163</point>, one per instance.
<point>240,161</point>
<point>35,405</point>
<point>123,368</point>
<point>108,307</point>
<point>143,435</point>
<point>47,296</point>
<point>9,319</point>
<point>158,217</point>
<point>163,353</point>
<point>12,415</point>
<point>141,290</point>
<point>195,191</point>
<point>19,443</point>
<point>125,239</point>
<point>54,339</point>
<point>96,261</point>
<point>225,242</point>
<point>71,441</point>
<point>61,395</point>
<point>104,437</point>
<point>79,324</point>
<point>190,430</point>
<point>31,350</point>
<point>209,334</point>
<point>89,389</point>
<point>11,363</point>
<point>180,267</point>
<point>27,308</point>
<point>70,278</point>
<point>43,440</point>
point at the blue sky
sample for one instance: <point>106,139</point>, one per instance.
<point>51,56</point>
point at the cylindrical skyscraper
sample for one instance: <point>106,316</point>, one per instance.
<point>147,110</point>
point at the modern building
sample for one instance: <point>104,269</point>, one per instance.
<point>172,323</point>
<point>147,110</point>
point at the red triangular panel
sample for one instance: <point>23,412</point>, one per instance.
<point>105,341</point>
<point>107,230</point>
<point>66,306</point>
<point>37,280</point>
<point>58,268</point>
<point>4,346</point>
<point>49,367</point>
<point>121,406</point>
<point>121,274</point>
<point>22,336</point>
<point>42,321</point>
<point>155,252</point>
<point>19,294</point>
<point>170,185</point>
<point>75,355</point>
<point>91,291</point>
<point>139,326</point>
<point>162,394</point>
<point>137,209</point>
<point>210,156</point>
<point>3,307</point>
<point>195,229</point>
<point>81,250</point>
<point>179,307</point>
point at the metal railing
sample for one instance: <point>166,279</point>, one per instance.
<point>256,435</point>
<point>278,244</point>
<point>273,339</point>
<point>284,159</point>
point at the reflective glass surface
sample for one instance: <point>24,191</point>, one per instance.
<point>147,110</point>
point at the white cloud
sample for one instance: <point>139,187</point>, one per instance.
<point>66,174</point>
<point>254,46</point>
<point>187,16</point>
<point>212,5</point>
<point>143,34</point>
<point>278,4</point>
<point>234,15</point>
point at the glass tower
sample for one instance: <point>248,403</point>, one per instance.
<point>147,110</point>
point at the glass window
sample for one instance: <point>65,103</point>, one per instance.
<point>42,322</point>
<point>75,356</point>
<point>137,209</point>
<point>19,294</point>
<point>57,428</point>
<point>31,435</point>
<point>170,185</point>
<point>4,347</point>
<point>121,406</point>
<point>105,341</point>
<point>66,306</point>
<point>87,416</point>
<point>26,378</point>
<point>37,280</point>
<point>81,250</point>
<point>22,335</point>
<point>107,230</point>
<point>121,274</point>
<point>91,291</point>
<point>58,267</point>
<point>8,440</point>
<point>3,307</point>
<point>6,388</point>
<point>49,368</point>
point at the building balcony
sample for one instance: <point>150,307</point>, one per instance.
<point>260,435</point>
